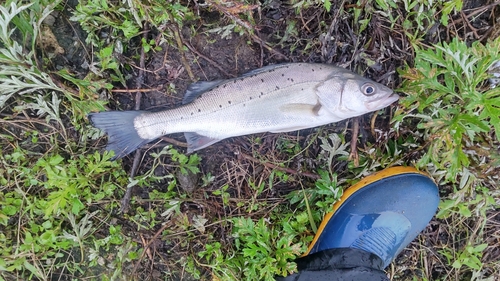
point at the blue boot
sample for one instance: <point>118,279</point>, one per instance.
<point>381,214</point>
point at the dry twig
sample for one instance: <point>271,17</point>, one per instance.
<point>216,65</point>
<point>275,167</point>
<point>232,14</point>
<point>354,142</point>
<point>137,156</point>
<point>180,46</point>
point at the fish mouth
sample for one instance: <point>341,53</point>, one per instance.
<point>382,102</point>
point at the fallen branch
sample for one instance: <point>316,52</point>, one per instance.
<point>216,65</point>
<point>354,142</point>
<point>125,202</point>
<point>136,90</point>
<point>147,245</point>
<point>230,13</point>
<point>283,169</point>
<point>174,141</point>
<point>180,47</point>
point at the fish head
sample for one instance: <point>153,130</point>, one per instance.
<point>348,95</point>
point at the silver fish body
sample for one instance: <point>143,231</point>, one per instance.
<point>278,98</point>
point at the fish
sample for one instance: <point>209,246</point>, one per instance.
<point>276,98</point>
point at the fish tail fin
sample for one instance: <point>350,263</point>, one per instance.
<point>119,126</point>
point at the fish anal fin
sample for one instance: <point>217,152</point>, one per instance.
<point>196,141</point>
<point>196,89</point>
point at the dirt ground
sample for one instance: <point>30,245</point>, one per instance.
<point>318,36</point>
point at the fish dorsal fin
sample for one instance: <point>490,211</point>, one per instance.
<point>196,89</point>
<point>196,141</point>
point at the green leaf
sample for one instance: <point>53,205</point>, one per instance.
<point>328,5</point>
<point>479,248</point>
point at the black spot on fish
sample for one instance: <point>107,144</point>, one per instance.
<point>192,113</point>
<point>250,98</point>
<point>224,86</point>
<point>291,79</point>
<point>220,105</point>
<point>229,101</point>
<point>262,80</point>
<point>199,110</point>
<point>283,74</point>
<point>244,104</point>
<point>312,69</point>
<point>277,88</point>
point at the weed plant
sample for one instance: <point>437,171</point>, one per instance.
<point>55,198</point>
<point>455,110</point>
<point>19,73</point>
<point>448,89</point>
<point>106,21</point>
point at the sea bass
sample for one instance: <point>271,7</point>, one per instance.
<point>276,98</point>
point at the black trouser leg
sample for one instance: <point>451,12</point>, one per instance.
<point>344,264</point>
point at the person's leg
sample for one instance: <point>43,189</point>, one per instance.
<point>342,264</point>
<point>370,225</point>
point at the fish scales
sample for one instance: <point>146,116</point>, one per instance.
<point>240,117</point>
<point>278,98</point>
<point>234,103</point>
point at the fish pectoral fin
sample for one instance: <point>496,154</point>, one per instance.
<point>196,141</point>
<point>301,109</point>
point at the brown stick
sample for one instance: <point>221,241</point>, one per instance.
<point>245,25</point>
<point>192,49</point>
<point>354,142</point>
<point>147,245</point>
<point>174,142</point>
<point>286,170</point>
<point>372,125</point>
<point>180,46</point>
<point>136,90</point>
<point>264,44</point>
<point>125,203</point>
<point>477,11</point>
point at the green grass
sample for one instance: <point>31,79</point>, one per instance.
<point>60,198</point>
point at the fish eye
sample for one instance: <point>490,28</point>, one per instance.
<point>368,89</point>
